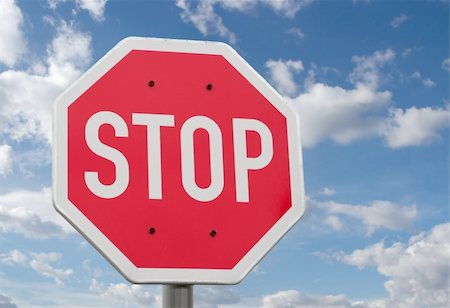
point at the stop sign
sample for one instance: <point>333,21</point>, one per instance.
<point>177,161</point>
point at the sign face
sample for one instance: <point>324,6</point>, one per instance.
<point>177,161</point>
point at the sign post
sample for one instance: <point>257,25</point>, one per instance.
<point>178,162</point>
<point>180,296</point>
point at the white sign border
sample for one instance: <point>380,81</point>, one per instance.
<point>162,275</point>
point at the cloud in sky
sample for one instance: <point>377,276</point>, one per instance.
<point>5,159</point>
<point>11,22</point>
<point>367,68</point>
<point>296,32</point>
<point>6,302</point>
<point>27,96</point>
<point>415,126</point>
<point>427,82</point>
<point>327,191</point>
<point>31,214</point>
<point>14,257</point>
<point>95,8</point>
<point>203,16</point>
<point>342,115</point>
<point>124,295</point>
<point>364,111</point>
<point>282,75</point>
<point>293,299</point>
<point>446,64</point>
<point>39,262</point>
<point>376,215</point>
<point>418,272</point>
<point>215,296</point>
<point>398,20</point>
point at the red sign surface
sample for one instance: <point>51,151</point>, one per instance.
<point>177,161</point>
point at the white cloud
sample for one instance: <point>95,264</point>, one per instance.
<point>282,75</point>
<point>339,114</point>
<point>5,159</point>
<point>6,302</point>
<point>95,8</point>
<point>347,115</point>
<point>344,115</point>
<point>31,213</point>
<point>297,32</point>
<point>418,272</point>
<point>415,126</point>
<point>23,221</point>
<point>11,35</point>
<point>427,82</point>
<point>295,299</point>
<point>215,296</point>
<point>446,64</point>
<point>376,215</point>
<point>53,4</point>
<point>27,97</point>
<point>416,75</point>
<point>204,17</point>
<point>327,191</point>
<point>287,8</point>
<point>399,20</point>
<point>334,222</point>
<point>122,294</point>
<point>367,70</point>
<point>14,257</point>
<point>41,264</point>
<point>406,52</point>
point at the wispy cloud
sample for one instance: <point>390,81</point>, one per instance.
<point>364,111</point>
<point>202,13</point>
<point>28,95</point>
<point>282,72</point>
<point>418,272</point>
<point>5,159</point>
<point>374,216</point>
<point>12,35</point>
<point>293,298</point>
<point>215,296</point>
<point>95,8</point>
<point>6,302</point>
<point>296,32</point>
<point>121,294</point>
<point>446,64</point>
<point>31,214</point>
<point>415,126</point>
<point>398,20</point>
<point>39,262</point>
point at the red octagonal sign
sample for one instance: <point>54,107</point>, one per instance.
<point>177,161</point>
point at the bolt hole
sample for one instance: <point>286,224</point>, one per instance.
<point>151,83</point>
<point>209,87</point>
<point>152,230</point>
<point>213,233</point>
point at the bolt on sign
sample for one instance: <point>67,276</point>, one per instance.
<point>177,161</point>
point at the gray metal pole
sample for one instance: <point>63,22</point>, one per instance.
<point>177,296</point>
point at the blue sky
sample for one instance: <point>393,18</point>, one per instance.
<point>370,82</point>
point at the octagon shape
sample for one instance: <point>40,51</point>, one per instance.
<point>176,238</point>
